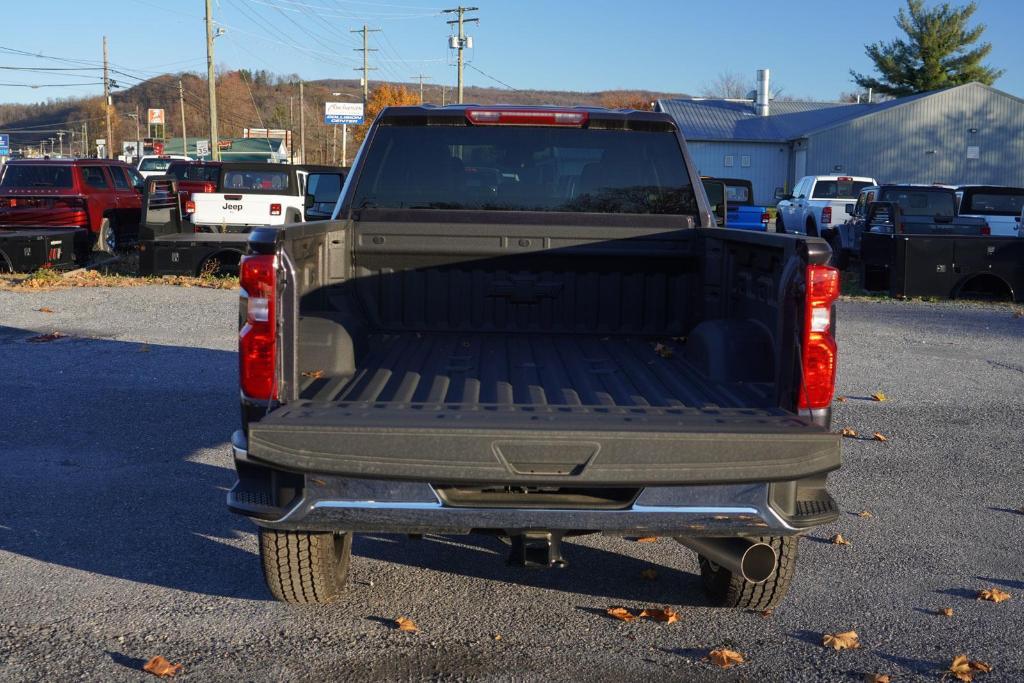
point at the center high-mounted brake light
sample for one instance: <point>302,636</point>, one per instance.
<point>257,340</point>
<point>819,344</point>
<point>527,117</point>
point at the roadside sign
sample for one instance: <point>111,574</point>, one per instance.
<point>156,117</point>
<point>5,140</point>
<point>336,113</point>
<point>202,148</point>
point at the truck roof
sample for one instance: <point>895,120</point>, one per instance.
<point>65,162</point>
<point>838,176</point>
<point>447,112</point>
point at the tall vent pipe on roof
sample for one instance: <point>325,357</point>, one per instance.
<point>761,104</point>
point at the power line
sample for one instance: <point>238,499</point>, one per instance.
<point>478,70</point>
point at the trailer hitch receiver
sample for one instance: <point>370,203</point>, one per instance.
<point>537,549</point>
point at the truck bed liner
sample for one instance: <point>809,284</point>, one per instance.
<point>538,409</point>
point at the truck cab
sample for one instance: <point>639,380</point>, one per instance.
<point>818,204</point>
<point>1000,207</point>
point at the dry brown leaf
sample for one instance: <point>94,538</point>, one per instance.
<point>839,540</point>
<point>649,574</point>
<point>158,666</point>
<point>841,399</point>
<point>878,436</point>
<point>497,636</point>
<point>865,514</point>
<point>847,640</point>
<point>620,613</point>
<point>725,658</point>
<point>945,612</point>
<point>849,432</point>
<point>993,595</point>
<point>663,350</point>
<point>878,396</point>
<point>647,539</point>
<point>313,374</point>
<point>767,614</point>
<point>961,669</point>
<point>983,667</point>
<point>667,615</point>
<point>39,338</point>
<point>45,309</point>
<point>877,678</point>
<point>406,624</point>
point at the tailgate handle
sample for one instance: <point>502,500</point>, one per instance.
<point>233,197</point>
<point>541,457</point>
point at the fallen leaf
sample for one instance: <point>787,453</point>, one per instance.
<point>497,636</point>
<point>876,678</point>
<point>961,669</point>
<point>993,595</point>
<point>849,432</point>
<point>878,396</point>
<point>45,309</point>
<point>945,612</point>
<point>45,337</point>
<point>725,658</point>
<point>865,514</point>
<point>767,614</point>
<point>983,667</point>
<point>406,624</point>
<point>841,399</point>
<point>663,351</point>
<point>1018,314</point>
<point>313,374</point>
<point>667,615</point>
<point>647,539</point>
<point>878,436</point>
<point>160,667</point>
<point>649,574</point>
<point>620,613</point>
<point>847,640</point>
<point>839,540</point>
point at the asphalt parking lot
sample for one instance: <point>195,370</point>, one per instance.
<point>115,544</point>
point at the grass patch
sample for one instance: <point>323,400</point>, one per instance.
<point>48,279</point>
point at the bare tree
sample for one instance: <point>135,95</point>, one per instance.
<point>729,85</point>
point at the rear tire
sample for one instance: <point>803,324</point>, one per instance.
<point>779,225</point>
<point>106,239</point>
<point>840,258</point>
<point>812,229</point>
<point>305,568</point>
<point>724,589</point>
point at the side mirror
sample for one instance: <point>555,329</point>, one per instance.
<point>850,208</point>
<point>780,194</point>
<point>309,201</point>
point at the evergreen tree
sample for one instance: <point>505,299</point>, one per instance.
<point>938,52</point>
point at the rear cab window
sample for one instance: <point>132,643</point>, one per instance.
<point>838,189</point>
<point>154,164</point>
<point>922,201</point>
<point>36,175</point>
<point>525,168</point>
<point>738,194</point>
<point>198,172</point>
<point>993,202</point>
<point>256,181</point>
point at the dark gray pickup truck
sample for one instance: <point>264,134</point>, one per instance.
<point>522,322</point>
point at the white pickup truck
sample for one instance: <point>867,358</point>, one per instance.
<point>253,194</point>
<point>1001,207</point>
<point>818,203</point>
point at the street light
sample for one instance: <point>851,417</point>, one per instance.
<point>135,115</point>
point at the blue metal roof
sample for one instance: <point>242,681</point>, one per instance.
<point>708,119</point>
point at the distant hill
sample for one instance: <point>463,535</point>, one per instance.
<point>249,99</point>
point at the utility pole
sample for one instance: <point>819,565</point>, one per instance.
<point>85,139</point>
<point>212,83</point>
<point>366,68</point>
<point>60,136</point>
<point>302,121</point>
<point>106,98</point>
<point>421,77</point>
<point>462,41</point>
<point>184,134</point>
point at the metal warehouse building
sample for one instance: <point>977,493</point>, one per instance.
<point>967,134</point>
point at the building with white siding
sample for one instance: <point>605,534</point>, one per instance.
<point>968,134</point>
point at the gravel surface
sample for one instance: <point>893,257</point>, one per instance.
<point>115,544</point>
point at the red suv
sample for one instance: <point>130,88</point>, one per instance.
<point>100,196</point>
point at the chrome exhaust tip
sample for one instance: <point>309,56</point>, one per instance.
<point>755,562</point>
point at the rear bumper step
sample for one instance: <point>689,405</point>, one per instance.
<point>553,445</point>
<point>333,503</point>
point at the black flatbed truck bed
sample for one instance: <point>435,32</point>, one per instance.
<point>188,253</point>
<point>24,250</point>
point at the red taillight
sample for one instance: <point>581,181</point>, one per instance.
<point>526,117</point>
<point>275,209</point>
<point>257,340</point>
<point>986,229</point>
<point>190,206</point>
<point>819,344</point>
<point>766,217</point>
<point>209,187</point>
<point>826,215</point>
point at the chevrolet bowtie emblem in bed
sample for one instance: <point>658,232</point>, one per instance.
<point>525,289</point>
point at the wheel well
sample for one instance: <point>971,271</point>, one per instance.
<point>5,263</point>
<point>227,262</point>
<point>986,286</point>
<point>812,229</point>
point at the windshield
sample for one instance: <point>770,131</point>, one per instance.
<point>1005,203</point>
<point>154,164</point>
<point>199,172</point>
<point>838,189</point>
<point>922,202</point>
<point>525,169</point>
<point>36,175</point>
<point>256,181</point>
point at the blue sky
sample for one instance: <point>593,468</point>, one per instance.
<point>574,45</point>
